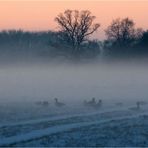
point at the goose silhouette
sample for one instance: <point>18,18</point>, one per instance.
<point>45,103</point>
<point>57,103</point>
<point>99,104</point>
<point>92,102</point>
<point>138,104</point>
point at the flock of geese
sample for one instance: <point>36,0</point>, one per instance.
<point>91,103</point>
<point>57,103</point>
<point>46,103</point>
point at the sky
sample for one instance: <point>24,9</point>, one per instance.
<point>38,15</point>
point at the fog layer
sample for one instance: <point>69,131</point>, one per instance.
<point>74,82</point>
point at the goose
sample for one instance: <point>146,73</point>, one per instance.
<point>57,103</point>
<point>143,103</point>
<point>45,103</point>
<point>137,106</point>
<point>99,104</point>
<point>90,103</point>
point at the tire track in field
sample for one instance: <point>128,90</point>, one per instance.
<point>48,131</point>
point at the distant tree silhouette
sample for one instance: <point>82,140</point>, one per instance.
<point>23,45</point>
<point>122,32</point>
<point>77,26</point>
<point>18,44</point>
<point>122,36</point>
<point>141,47</point>
<point>144,40</point>
<point>123,40</point>
<point>90,49</point>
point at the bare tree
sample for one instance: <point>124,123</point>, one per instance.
<point>77,25</point>
<point>122,31</point>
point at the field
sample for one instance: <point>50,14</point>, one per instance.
<point>84,126</point>
<point>25,121</point>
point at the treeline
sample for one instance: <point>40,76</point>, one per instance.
<point>123,40</point>
<point>137,47</point>
<point>19,44</point>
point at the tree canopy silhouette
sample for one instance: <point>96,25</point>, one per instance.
<point>77,26</point>
<point>122,31</point>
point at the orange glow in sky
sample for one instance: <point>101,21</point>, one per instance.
<point>39,15</point>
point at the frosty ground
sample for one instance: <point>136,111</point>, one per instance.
<point>109,126</point>
<point>23,122</point>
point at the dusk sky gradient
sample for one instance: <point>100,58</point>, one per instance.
<point>39,15</point>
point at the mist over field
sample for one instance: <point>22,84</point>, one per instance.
<point>74,82</point>
<point>64,88</point>
<point>24,89</point>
